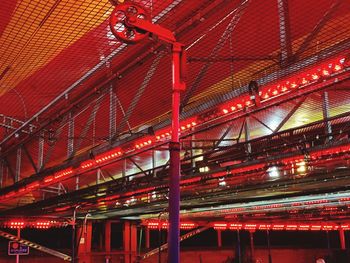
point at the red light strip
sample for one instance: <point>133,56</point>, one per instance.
<point>256,226</point>
<point>32,224</point>
<point>164,225</point>
<point>290,227</point>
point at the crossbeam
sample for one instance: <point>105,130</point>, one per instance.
<point>183,237</point>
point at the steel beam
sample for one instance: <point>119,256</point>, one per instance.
<point>285,37</point>
<point>18,164</point>
<point>262,123</point>
<point>290,96</point>
<point>41,142</point>
<point>247,136</point>
<point>90,120</point>
<point>182,238</point>
<point>229,59</point>
<point>326,115</point>
<point>10,170</point>
<point>77,182</point>
<point>30,158</point>
<point>112,112</point>
<point>52,142</point>
<point>70,141</point>
<point>139,92</point>
<point>11,123</point>
<point>1,172</point>
<point>223,136</point>
<point>138,166</point>
<point>290,114</point>
<point>326,17</point>
<point>236,16</point>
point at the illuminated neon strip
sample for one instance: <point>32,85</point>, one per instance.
<point>256,226</point>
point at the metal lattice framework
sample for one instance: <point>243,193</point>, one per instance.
<point>85,119</point>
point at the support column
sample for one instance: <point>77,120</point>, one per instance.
<point>325,109</point>
<point>18,164</point>
<point>219,238</point>
<point>238,249</point>
<point>112,113</point>
<point>18,236</point>
<point>70,144</point>
<point>84,246</point>
<point>247,136</point>
<point>252,249</point>
<point>108,236</point>
<point>284,26</point>
<point>342,239</point>
<point>1,172</point>
<point>41,144</point>
<point>130,242</point>
<point>147,238</point>
<point>269,246</point>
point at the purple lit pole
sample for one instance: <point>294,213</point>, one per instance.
<point>174,147</point>
<point>137,18</point>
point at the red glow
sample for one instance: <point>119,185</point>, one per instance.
<point>220,226</point>
<point>337,67</point>
<point>164,225</point>
<point>304,81</point>
<point>63,173</point>
<point>325,72</point>
<point>256,226</point>
<point>48,179</point>
<point>315,76</point>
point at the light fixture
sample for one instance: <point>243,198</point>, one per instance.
<point>273,172</point>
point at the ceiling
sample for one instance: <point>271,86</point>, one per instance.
<point>71,92</point>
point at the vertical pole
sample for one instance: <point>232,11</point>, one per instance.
<point>133,242</point>
<point>19,236</point>
<point>108,237</point>
<point>342,239</point>
<point>147,238</point>
<point>77,182</point>
<point>284,25</point>
<point>18,164</point>
<point>98,176</point>
<point>159,239</point>
<point>73,233</point>
<point>252,250</point>
<point>325,110</point>
<point>193,163</point>
<point>112,112</point>
<point>41,151</point>
<point>124,168</point>
<point>174,147</point>
<point>239,256</point>
<point>127,247</point>
<point>328,244</point>
<point>70,145</point>
<point>219,238</point>
<point>1,172</point>
<point>247,136</point>
<point>269,245</point>
<point>84,246</point>
<point>140,244</point>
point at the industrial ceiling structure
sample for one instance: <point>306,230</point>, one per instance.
<point>264,129</point>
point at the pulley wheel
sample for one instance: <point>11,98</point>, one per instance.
<point>120,27</point>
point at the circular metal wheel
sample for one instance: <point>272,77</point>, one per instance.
<point>120,27</point>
